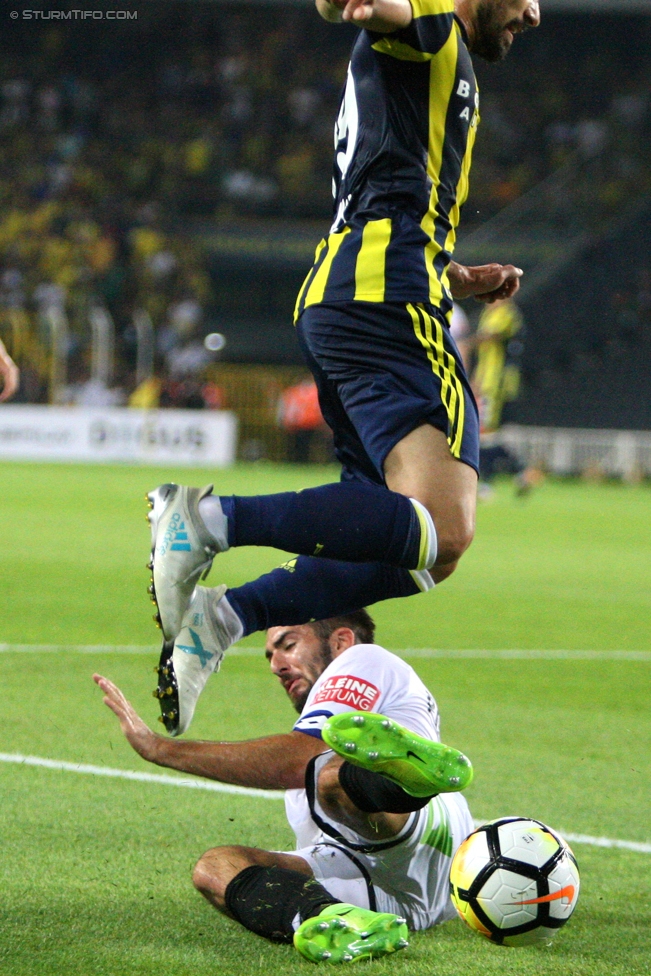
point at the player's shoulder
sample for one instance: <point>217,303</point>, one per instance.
<point>371,662</point>
<point>366,678</point>
<point>432,22</point>
<point>373,654</point>
<point>431,8</point>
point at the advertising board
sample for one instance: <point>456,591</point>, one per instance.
<point>114,434</point>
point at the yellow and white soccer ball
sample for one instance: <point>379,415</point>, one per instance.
<point>515,881</point>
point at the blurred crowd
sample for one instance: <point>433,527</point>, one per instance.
<point>115,140</point>
<point>577,89</point>
<point>222,109</point>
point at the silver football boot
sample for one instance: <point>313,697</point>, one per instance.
<point>209,627</point>
<point>182,551</point>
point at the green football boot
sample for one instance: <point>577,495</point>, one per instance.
<point>421,767</point>
<point>343,933</point>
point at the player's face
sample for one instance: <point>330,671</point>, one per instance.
<point>496,22</point>
<point>298,658</point>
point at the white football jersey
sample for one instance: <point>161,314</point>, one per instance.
<point>365,678</point>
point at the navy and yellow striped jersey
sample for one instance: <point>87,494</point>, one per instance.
<point>403,144</point>
<point>496,379</point>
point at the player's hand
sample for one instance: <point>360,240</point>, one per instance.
<point>10,375</point>
<point>356,11</point>
<point>139,735</point>
<point>378,15</point>
<point>487,283</point>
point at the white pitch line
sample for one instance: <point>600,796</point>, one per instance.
<point>628,845</point>
<point>201,784</point>
<point>423,652</point>
<point>162,778</point>
<point>530,654</point>
<point>78,648</point>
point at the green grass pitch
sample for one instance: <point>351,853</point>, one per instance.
<point>95,872</point>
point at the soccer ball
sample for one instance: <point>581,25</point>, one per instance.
<point>515,881</point>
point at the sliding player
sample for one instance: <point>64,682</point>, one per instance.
<point>372,798</point>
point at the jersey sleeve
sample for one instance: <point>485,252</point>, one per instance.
<point>429,30</point>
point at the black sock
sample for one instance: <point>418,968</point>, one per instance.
<point>268,900</point>
<point>373,793</point>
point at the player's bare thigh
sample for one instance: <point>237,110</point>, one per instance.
<point>422,467</point>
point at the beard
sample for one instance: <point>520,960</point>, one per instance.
<point>323,659</point>
<point>491,42</point>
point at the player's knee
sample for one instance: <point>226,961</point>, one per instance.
<point>202,875</point>
<point>454,537</point>
<point>441,573</point>
<point>207,874</point>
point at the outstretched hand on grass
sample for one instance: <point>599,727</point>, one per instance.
<point>140,736</point>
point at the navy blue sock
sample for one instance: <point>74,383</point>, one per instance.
<point>306,589</point>
<point>348,521</point>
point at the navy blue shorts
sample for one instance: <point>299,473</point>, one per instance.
<point>382,370</point>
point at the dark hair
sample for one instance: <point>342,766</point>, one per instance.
<point>359,621</point>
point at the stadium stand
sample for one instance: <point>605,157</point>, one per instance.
<point>174,165</point>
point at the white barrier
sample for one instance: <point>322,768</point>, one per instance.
<point>617,453</point>
<point>186,437</point>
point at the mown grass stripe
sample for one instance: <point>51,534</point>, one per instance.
<point>549,654</point>
<point>201,784</point>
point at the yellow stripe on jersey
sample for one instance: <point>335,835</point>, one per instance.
<point>429,8</point>
<point>458,398</point>
<point>463,185</point>
<point>439,90</point>
<point>317,287</point>
<point>442,76</point>
<point>309,278</point>
<point>429,333</point>
<point>400,50</point>
<point>371,261</point>
<point>462,196</point>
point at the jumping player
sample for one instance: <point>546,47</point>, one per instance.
<point>372,318</point>
<point>374,842</point>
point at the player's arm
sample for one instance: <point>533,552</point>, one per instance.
<point>276,762</point>
<point>9,374</point>
<point>382,16</point>
<point>487,283</point>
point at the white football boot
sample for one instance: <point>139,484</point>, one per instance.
<point>209,627</point>
<point>182,551</point>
